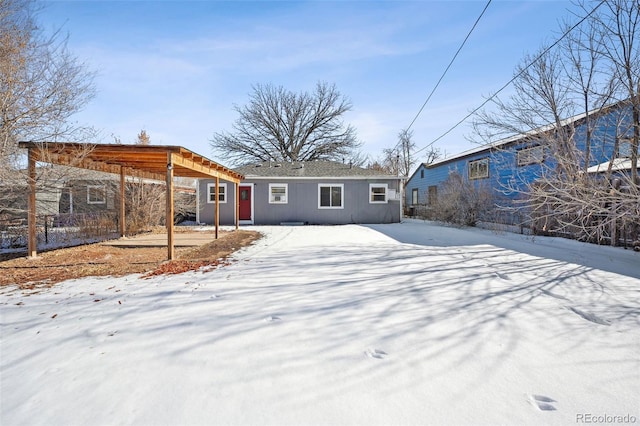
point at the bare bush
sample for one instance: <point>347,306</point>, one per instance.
<point>462,202</point>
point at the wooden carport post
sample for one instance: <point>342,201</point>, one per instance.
<point>123,227</point>
<point>169,214</point>
<point>31,215</point>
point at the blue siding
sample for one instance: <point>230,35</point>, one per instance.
<point>507,178</point>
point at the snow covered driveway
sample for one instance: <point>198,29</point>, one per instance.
<point>407,323</point>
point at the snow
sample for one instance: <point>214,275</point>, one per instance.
<point>409,323</point>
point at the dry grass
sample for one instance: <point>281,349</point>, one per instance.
<point>100,259</point>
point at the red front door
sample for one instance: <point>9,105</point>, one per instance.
<point>245,203</point>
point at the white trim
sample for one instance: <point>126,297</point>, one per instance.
<point>386,193</point>
<point>280,199</point>
<point>618,165</point>
<point>253,203</point>
<point>197,202</point>
<point>104,194</point>
<point>331,185</point>
<point>222,193</point>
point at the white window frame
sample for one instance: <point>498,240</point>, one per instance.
<point>211,193</point>
<point>102,188</point>
<point>372,195</point>
<point>530,155</point>
<point>474,169</point>
<point>284,199</point>
<point>331,185</point>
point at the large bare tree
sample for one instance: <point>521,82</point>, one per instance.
<point>620,28</point>
<point>281,125</point>
<point>597,64</point>
<point>41,86</point>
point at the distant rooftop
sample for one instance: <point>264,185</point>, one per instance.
<point>307,169</point>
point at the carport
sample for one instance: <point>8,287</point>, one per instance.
<point>157,162</point>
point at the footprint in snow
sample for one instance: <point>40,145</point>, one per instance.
<point>375,353</point>
<point>272,318</point>
<point>502,276</point>
<point>542,403</point>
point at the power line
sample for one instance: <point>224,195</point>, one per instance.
<point>449,66</point>
<point>544,52</point>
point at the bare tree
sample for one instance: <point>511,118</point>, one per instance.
<point>461,202</point>
<point>41,86</point>
<point>401,159</point>
<point>280,125</point>
<point>620,26</point>
<point>595,68</point>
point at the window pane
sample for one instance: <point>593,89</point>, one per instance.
<point>96,195</point>
<point>221,193</point>
<point>479,169</point>
<point>278,194</point>
<point>336,196</point>
<point>325,196</point>
<point>624,149</point>
<point>378,194</point>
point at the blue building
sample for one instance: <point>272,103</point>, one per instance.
<point>507,168</point>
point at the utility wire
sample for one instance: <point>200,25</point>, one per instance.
<point>544,52</point>
<point>449,66</point>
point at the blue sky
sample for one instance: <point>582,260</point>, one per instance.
<point>176,69</point>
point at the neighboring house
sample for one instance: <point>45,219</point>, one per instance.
<point>313,192</point>
<point>67,195</point>
<point>508,166</point>
<point>100,193</point>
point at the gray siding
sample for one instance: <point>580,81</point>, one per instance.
<point>206,210</point>
<point>302,205</point>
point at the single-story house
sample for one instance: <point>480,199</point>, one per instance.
<point>509,165</point>
<point>302,192</point>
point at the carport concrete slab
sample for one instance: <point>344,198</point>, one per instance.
<point>180,239</point>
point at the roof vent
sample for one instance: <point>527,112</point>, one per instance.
<point>259,165</point>
<point>278,165</point>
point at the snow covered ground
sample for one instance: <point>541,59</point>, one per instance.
<point>408,323</point>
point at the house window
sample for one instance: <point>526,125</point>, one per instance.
<point>532,155</point>
<point>96,194</point>
<point>377,193</point>
<point>422,174</point>
<point>278,193</point>
<point>479,169</point>
<point>330,196</point>
<point>211,193</point>
<point>624,148</point>
<point>433,194</point>
<point>414,196</point>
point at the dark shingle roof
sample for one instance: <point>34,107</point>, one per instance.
<point>307,169</point>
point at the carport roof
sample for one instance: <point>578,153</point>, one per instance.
<point>148,161</point>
